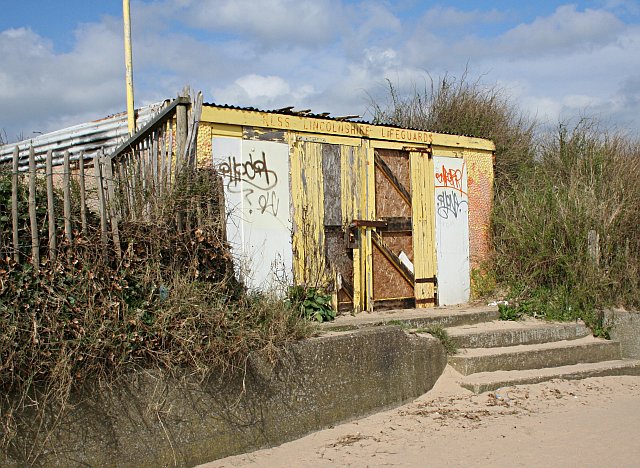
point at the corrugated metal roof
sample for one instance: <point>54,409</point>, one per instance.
<point>87,137</point>
<point>109,132</point>
<point>326,116</point>
<point>287,111</point>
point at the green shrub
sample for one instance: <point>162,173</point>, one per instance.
<point>483,282</point>
<point>311,304</point>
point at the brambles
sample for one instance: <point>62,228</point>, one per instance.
<point>86,319</point>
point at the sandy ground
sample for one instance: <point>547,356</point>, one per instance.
<point>593,422</point>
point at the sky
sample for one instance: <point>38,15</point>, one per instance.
<point>62,62</point>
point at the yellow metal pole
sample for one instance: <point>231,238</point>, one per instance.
<point>129,66</point>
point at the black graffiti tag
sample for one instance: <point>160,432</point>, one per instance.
<point>252,172</point>
<point>448,203</point>
<point>269,203</point>
<point>252,178</point>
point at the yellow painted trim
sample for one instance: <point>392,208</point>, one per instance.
<point>396,298</point>
<point>370,214</point>
<point>224,130</point>
<point>339,128</point>
<point>395,145</point>
<point>423,217</point>
<point>448,152</point>
<point>368,272</point>
<point>296,201</point>
<point>329,139</point>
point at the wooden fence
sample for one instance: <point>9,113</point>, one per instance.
<point>128,184</point>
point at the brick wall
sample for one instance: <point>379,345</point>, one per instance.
<point>480,184</point>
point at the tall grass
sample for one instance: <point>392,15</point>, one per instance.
<point>585,179</point>
<point>464,107</point>
<point>552,188</point>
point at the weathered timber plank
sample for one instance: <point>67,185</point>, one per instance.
<point>35,242</point>
<point>113,213</point>
<point>331,169</point>
<point>14,205</point>
<point>66,187</point>
<point>51,215</point>
<point>83,196</point>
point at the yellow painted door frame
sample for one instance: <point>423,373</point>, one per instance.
<point>365,210</point>
<point>423,220</point>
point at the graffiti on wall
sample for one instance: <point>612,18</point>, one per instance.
<point>254,180</point>
<point>256,185</point>
<point>452,230</point>
<point>451,193</point>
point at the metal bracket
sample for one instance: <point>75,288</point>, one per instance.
<point>433,280</point>
<point>352,233</point>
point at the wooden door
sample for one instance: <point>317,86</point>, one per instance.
<point>392,242</point>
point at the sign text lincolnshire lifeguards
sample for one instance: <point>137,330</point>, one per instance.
<point>337,127</point>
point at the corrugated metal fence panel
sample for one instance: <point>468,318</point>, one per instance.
<point>87,137</point>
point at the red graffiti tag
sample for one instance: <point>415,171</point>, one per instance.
<point>450,178</point>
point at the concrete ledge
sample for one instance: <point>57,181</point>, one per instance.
<point>151,419</point>
<point>414,318</point>
<point>500,333</point>
<point>625,328</point>
<point>536,356</point>
<point>485,382</point>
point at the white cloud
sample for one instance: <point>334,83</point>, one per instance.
<point>37,83</point>
<point>440,17</point>
<point>261,91</point>
<point>566,30</point>
<point>311,22</point>
<point>330,55</point>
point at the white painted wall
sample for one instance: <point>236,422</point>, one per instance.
<point>452,230</point>
<point>256,186</point>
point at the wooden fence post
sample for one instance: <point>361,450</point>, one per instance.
<point>67,196</point>
<point>163,162</point>
<point>97,159</point>
<point>51,215</point>
<point>14,205</point>
<point>181,133</point>
<point>35,243</point>
<point>170,160</point>
<point>83,197</point>
<point>113,214</point>
<point>154,160</point>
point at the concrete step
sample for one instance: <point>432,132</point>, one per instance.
<point>535,356</point>
<point>506,333</point>
<point>414,318</point>
<point>489,381</point>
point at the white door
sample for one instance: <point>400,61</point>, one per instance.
<point>256,186</point>
<point>452,230</point>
